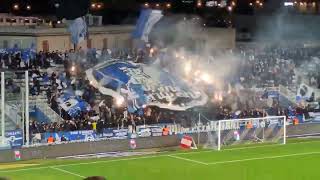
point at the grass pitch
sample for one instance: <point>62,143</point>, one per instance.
<point>297,160</point>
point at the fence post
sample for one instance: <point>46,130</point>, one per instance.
<point>27,107</point>
<point>285,130</point>
<point>2,108</point>
<point>219,135</point>
<point>199,122</point>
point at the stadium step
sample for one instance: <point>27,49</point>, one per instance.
<point>40,102</point>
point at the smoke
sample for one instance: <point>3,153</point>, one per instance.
<point>282,25</point>
<point>192,44</point>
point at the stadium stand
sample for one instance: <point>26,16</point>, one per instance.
<point>266,70</point>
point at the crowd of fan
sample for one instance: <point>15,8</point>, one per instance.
<point>269,66</point>
<point>273,65</point>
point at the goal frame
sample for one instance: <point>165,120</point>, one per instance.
<point>248,119</point>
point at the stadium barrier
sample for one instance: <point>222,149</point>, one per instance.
<point>69,149</point>
<point>144,142</point>
<point>107,133</point>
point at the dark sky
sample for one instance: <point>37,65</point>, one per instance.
<point>116,11</point>
<point>38,6</point>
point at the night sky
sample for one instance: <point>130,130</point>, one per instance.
<point>124,11</point>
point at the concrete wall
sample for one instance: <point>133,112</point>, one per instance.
<point>61,150</point>
<point>60,43</point>
<point>112,40</point>
<point>59,38</point>
<point>109,37</point>
<point>22,41</point>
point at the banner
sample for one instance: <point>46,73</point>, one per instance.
<point>143,85</point>
<point>14,138</point>
<point>120,134</point>
<point>88,135</point>
<point>315,116</point>
<point>156,131</point>
<point>144,132</point>
<point>107,133</point>
<point>115,133</point>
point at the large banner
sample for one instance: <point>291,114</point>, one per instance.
<point>88,135</point>
<point>14,138</point>
<point>143,85</point>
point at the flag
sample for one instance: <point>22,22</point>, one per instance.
<point>78,29</point>
<point>72,105</point>
<point>148,18</point>
<point>305,93</point>
<point>25,56</point>
<point>33,51</point>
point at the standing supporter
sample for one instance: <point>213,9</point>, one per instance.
<point>94,125</point>
<point>165,131</point>
<point>50,140</point>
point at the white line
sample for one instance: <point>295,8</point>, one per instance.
<point>261,158</point>
<point>85,163</point>
<point>185,159</point>
<point>146,157</point>
<point>302,135</point>
<point>25,169</point>
<point>67,172</point>
<point>109,161</point>
<point>249,147</point>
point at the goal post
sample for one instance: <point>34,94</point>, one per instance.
<point>271,129</point>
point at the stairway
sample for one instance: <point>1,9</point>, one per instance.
<point>286,97</point>
<point>40,102</point>
<point>9,124</point>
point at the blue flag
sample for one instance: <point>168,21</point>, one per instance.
<point>78,29</point>
<point>148,18</point>
<point>72,105</point>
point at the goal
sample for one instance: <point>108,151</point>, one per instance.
<point>222,133</point>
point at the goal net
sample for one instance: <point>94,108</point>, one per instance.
<point>245,131</point>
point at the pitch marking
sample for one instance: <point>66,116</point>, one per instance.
<point>146,157</point>
<point>186,159</point>
<point>262,158</point>
<point>67,172</point>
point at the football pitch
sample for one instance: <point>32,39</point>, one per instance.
<point>297,160</point>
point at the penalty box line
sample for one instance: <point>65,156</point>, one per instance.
<point>243,160</point>
<point>186,159</point>
<point>67,172</point>
<point>263,158</point>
